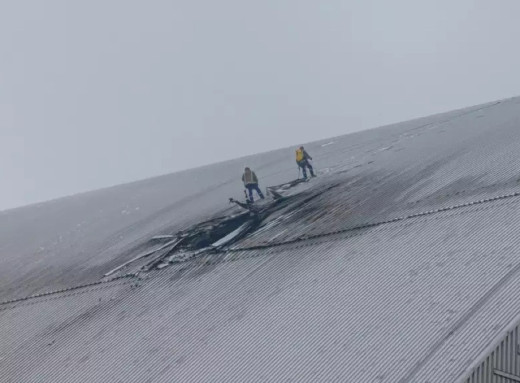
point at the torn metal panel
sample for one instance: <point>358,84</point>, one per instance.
<point>400,258</point>
<point>144,255</point>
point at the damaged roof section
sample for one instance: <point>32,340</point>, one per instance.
<point>397,264</point>
<point>77,240</point>
<point>222,232</point>
<point>406,303</point>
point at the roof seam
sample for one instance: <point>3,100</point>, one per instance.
<point>54,292</point>
<point>379,223</point>
<point>298,243</point>
<point>334,237</point>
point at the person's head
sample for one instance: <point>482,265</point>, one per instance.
<point>247,169</point>
<point>301,147</point>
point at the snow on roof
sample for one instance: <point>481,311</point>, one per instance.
<point>399,263</point>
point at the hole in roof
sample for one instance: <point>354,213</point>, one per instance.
<point>222,232</point>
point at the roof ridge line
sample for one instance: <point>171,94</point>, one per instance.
<point>375,224</point>
<point>54,292</point>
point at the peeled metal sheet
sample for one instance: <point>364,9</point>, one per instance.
<point>425,288</point>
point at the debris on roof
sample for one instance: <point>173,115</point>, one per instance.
<point>398,263</point>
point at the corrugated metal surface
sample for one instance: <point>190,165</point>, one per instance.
<point>477,159</point>
<point>373,307</point>
<point>500,361</point>
<point>77,239</point>
<point>406,271</point>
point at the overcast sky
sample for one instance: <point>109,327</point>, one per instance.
<point>100,92</point>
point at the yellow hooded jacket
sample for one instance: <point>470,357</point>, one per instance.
<point>302,155</point>
<point>299,155</point>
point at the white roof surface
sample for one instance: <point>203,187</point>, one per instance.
<point>402,267</point>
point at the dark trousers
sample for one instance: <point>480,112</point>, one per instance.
<point>303,165</point>
<point>250,188</point>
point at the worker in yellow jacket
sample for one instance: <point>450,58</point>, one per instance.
<point>250,181</point>
<point>302,159</point>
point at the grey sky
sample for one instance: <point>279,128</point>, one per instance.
<point>95,93</point>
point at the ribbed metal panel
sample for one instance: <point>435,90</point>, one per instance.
<point>77,239</point>
<point>500,362</point>
<point>406,271</point>
<point>382,306</point>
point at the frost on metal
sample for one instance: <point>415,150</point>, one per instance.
<point>398,263</point>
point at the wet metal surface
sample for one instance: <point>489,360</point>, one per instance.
<point>399,263</point>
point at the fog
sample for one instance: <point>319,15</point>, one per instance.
<point>97,93</point>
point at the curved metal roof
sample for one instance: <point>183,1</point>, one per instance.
<point>401,265</point>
